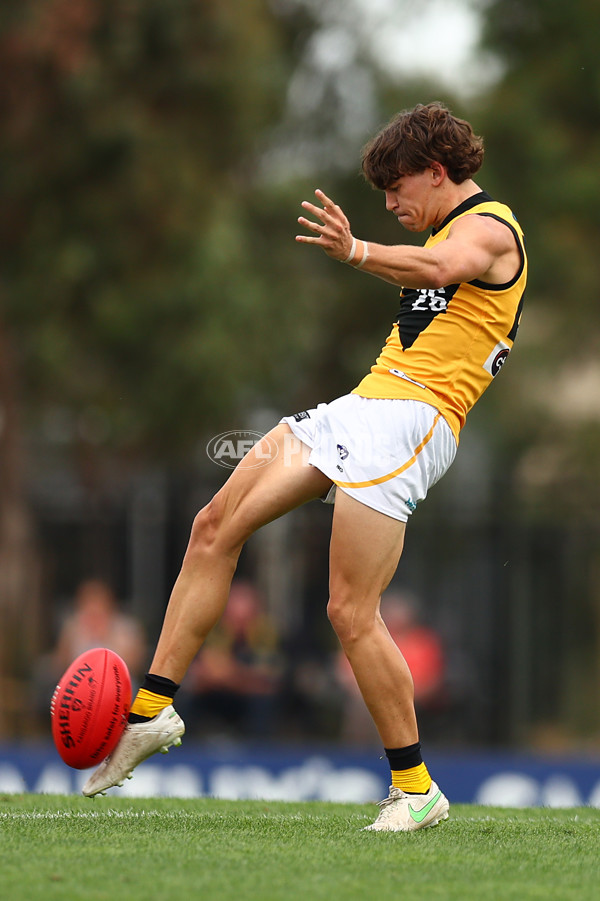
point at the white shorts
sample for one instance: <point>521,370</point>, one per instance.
<point>385,453</point>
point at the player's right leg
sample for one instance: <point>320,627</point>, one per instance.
<point>254,495</point>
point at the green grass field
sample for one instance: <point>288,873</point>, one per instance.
<point>66,847</point>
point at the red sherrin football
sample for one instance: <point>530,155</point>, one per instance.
<point>90,706</point>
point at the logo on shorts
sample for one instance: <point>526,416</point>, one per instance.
<point>343,452</point>
<point>300,416</point>
<point>229,448</point>
<point>411,505</point>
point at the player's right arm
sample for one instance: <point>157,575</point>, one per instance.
<point>477,247</point>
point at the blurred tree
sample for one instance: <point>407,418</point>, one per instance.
<point>132,306</point>
<point>131,129</point>
<point>541,124</point>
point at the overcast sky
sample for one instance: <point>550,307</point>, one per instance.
<point>436,36</point>
<point>405,37</point>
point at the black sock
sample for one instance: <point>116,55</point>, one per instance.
<point>404,758</point>
<point>158,685</point>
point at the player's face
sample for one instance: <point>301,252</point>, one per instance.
<point>410,199</point>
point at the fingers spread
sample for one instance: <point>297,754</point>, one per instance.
<point>314,210</point>
<point>305,239</point>
<point>324,198</point>
<point>314,226</point>
<point>332,230</point>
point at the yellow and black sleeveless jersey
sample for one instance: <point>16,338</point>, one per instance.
<point>448,343</point>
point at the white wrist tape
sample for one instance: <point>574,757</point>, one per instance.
<point>352,251</point>
<point>365,255</point>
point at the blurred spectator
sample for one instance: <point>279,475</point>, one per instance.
<point>423,651</point>
<point>234,683</point>
<point>94,621</point>
<point>420,645</point>
<point>97,622</point>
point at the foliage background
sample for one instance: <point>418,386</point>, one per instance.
<point>153,155</point>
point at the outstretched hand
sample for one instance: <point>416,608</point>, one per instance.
<point>332,233</point>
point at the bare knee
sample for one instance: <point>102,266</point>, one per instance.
<point>350,619</point>
<point>211,534</point>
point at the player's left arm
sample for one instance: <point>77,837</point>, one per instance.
<point>477,247</point>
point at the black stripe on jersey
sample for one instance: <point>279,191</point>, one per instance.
<point>479,284</point>
<point>468,204</point>
<point>515,326</point>
<point>418,308</point>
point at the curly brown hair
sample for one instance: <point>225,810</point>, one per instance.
<point>417,137</point>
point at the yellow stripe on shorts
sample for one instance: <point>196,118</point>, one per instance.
<point>396,472</point>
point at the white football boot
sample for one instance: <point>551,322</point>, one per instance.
<point>402,812</point>
<point>139,741</point>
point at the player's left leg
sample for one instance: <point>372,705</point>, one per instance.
<point>365,550</point>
